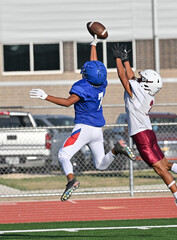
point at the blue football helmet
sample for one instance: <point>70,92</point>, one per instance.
<point>94,72</point>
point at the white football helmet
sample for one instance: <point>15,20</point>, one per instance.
<point>151,81</point>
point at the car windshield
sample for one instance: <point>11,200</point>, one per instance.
<point>155,118</point>
<point>40,122</point>
<point>61,121</point>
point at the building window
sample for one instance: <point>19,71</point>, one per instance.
<point>32,57</point>
<point>46,57</point>
<point>111,63</point>
<point>83,54</point>
<point>16,58</point>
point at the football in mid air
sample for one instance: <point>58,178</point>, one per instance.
<point>96,28</point>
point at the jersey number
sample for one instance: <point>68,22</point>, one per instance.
<point>100,98</point>
<point>151,104</point>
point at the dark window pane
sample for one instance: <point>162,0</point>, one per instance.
<point>14,121</point>
<point>40,122</point>
<point>83,53</point>
<point>16,58</point>
<point>46,57</point>
<point>111,63</point>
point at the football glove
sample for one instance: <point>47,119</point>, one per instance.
<point>124,53</point>
<point>95,40</point>
<point>116,51</point>
<point>120,51</point>
<point>38,93</point>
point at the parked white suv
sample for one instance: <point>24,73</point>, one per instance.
<point>22,144</point>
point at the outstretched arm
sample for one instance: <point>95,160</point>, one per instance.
<point>93,53</point>
<point>66,102</point>
<point>123,77</point>
<point>122,52</point>
<point>130,73</point>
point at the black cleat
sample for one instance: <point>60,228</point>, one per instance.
<point>122,148</point>
<point>70,188</point>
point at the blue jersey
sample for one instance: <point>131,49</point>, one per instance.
<point>88,110</point>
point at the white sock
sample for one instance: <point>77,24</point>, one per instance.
<point>171,184</point>
<point>174,168</point>
<point>175,195</point>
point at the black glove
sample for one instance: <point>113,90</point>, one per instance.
<point>124,53</point>
<point>120,51</point>
<point>116,51</point>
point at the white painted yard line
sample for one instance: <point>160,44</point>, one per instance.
<point>72,201</point>
<point>86,229</point>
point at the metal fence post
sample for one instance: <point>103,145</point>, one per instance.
<point>131,185</point>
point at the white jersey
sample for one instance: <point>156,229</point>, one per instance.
<point>137,108</point>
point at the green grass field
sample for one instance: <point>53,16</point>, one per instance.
<point>27,182</point>
<point>154,229</point>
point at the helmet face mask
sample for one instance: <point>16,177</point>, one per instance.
<point>151,81</point>
<point>94,72</point>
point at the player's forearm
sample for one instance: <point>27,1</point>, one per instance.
<point>59,101</point>
<point>93,53</point>
<point>66,102</point>
<point>120,68</point>
<point>129,71</point>
<point>123,77</point>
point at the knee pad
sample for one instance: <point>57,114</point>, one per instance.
<point>63,155</point>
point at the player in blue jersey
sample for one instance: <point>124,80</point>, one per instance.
<point>86,95</point>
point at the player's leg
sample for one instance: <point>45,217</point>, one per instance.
<point>161,169</point>
<point>151,153</point>
<point>100,160</point>
<point>174,167</point>
<point>170,167</point>
<point>72,145</point>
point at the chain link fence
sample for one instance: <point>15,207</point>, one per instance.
<point>29,164</point>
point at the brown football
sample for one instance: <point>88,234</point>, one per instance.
<point>96,28</point>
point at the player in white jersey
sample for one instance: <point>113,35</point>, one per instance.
<point>86,95</point>
<point>139,98</point>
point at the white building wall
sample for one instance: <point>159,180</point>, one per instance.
<point>55,20</point>
<point>167,18</point>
